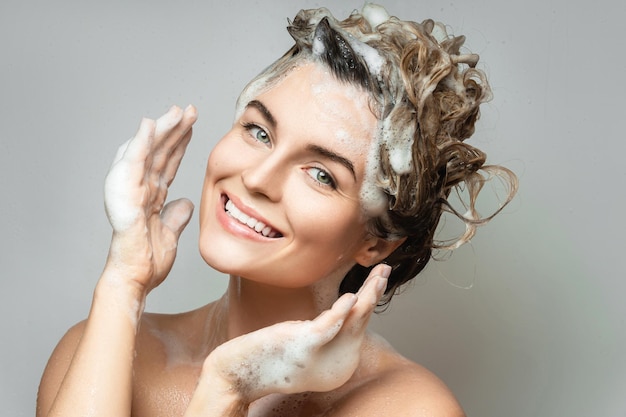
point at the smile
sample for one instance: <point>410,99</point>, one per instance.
<point>254,224</point>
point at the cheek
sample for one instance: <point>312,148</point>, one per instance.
<point>327,222</point>
<point>215,170</point>
<point>226,158</point>
<point>218,155</point>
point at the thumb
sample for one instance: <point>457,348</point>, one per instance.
<point>176,215</point>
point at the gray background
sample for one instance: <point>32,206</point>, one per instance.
<point>540,332</point>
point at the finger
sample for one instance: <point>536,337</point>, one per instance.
<point>167,122</point>
<point>163,137</point>
<point>330,321</point>
<point>121,151</point>
<point>368,297</point>
<point>171,131</point>
<point>379,271</point>
<point>176,215</point>
<point>174,160</point>
<point>137,148</point>
<point>166,160</point>
<point>129,164</point>
<point>161,180</point>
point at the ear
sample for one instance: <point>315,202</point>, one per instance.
<point>375,249</point>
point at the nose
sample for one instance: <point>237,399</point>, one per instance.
<point>266,177</point>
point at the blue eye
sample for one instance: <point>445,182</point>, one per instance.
<point>321,176</point>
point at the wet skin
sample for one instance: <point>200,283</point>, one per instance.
<point>123,362</point>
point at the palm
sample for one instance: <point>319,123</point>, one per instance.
<point>145,229</point>
<point>290,357</point>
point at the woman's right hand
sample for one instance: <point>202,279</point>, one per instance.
<point>145,229</point>
<point>91,370</point>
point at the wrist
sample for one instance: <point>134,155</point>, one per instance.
<point>119,295</point>
<point>129,258</point>
<point>216,396</point>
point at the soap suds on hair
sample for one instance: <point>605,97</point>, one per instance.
<point>374,14</point>
<point>399,143</point>
<point>318,47</point>
<point>372,58</point>
<point>373,198</point>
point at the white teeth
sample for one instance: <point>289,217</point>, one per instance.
<point>251,222</point>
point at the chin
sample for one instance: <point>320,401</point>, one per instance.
<point>213,261</point>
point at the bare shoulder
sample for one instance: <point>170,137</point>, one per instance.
<point>57,367</point>
<point>164,352</point>
<point>411,390</point>
<point>397,386</point>
<point>170,351</point>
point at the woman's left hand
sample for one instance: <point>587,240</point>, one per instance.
<point>296,356</point>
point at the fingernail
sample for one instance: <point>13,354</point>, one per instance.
<point>385,271</point>
<point>381,284</point>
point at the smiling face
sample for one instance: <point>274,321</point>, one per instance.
<point>280,203</point>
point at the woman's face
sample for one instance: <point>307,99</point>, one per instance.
<point>280,202</point>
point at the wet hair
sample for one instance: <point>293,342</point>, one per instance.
<point>426,95</point>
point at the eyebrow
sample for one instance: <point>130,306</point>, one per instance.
<point>316,149</point>
<point>264,111</point>
<point>333,156</point>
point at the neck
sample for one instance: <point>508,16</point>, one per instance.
<point>252,305</point>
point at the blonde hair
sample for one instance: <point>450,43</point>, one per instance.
<point>426,95</point>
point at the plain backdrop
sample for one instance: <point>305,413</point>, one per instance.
<point>528,320</point>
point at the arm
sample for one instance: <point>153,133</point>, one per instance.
<point>90,372</point>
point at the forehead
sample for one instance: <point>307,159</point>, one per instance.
<point>310,102</point>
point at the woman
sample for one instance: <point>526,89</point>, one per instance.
<point>331,182</point>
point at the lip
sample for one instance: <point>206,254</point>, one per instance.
<point>236,228</point>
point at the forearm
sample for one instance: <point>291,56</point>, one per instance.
<point>90,372</point>
<point>99,379</point>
